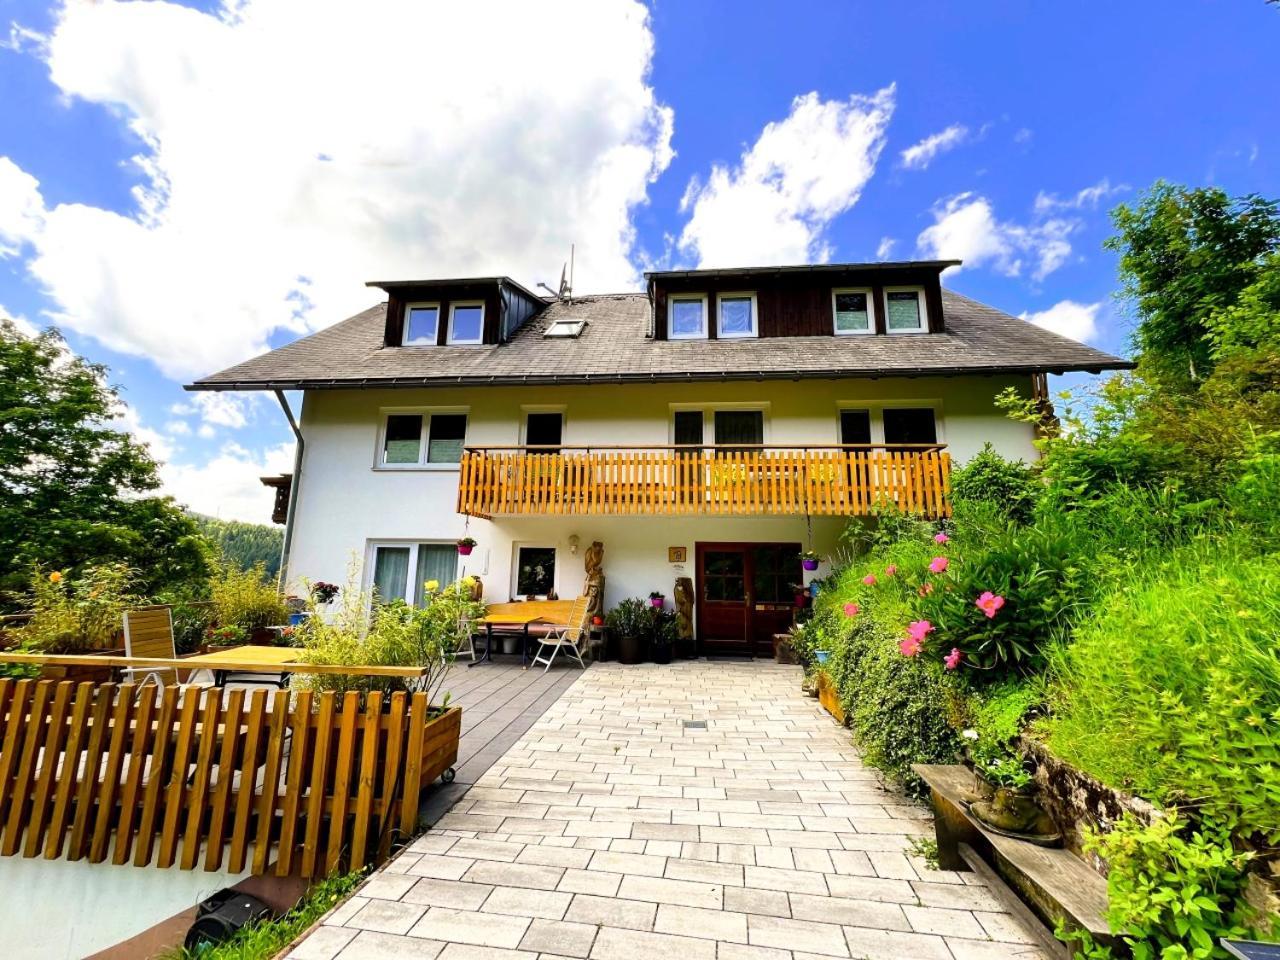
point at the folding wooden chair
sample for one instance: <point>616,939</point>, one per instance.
<point>568,637</point>
<point>148,632</point>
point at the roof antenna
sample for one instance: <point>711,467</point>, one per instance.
<point>566,283</point>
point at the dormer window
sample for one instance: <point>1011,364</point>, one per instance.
<point>737,316</point>
<point>466,322</point>
<point>421,324</point>
<point>688,317</point>
<point>905,310</point>
<point>852,309</point>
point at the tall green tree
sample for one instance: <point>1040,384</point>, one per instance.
<point>1187,254</point>
<point>244,544</point>
<point>74,489</point>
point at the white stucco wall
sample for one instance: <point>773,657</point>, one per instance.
<point>344,502</point>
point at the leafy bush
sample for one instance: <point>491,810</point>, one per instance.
<point>364,633</point>
<point>246,598</point>
<point>81,613</point>
<point>1009,485</point>
<point>1173,689</point>
<point>1173,891</point>
<point>632,617</point>
<point>191,621</point>
<point>996,716</point>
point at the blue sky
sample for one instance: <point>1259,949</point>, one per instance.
<point>181,188</point>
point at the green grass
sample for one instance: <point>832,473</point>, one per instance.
<point>261,941</point>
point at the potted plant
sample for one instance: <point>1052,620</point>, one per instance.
<point>664,634</point>
<point>629,621</point>
<point>810,560</point>
<point>657,600</point>
<point>322,592</point>
<point>83,614</point>
<point>465,546</point>
<point>224,638</point>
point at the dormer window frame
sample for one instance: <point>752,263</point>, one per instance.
<point>921,301</point>
<point>755,315</point>
<point>453,310</point>
<point>870,294</point>
<point>699,298</point>
<point>408,313</point>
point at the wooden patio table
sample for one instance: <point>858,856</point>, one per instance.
<point>250,654</point>
<point>507,618</point>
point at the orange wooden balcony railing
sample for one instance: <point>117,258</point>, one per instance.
<point>751,480</point>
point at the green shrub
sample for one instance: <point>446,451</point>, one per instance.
<point>1173,890</point>
<point>246,598</point>
<point>81,613</point>
<point>996,716</point>
<point>630,618</point>
<point>1172,690</point>
<point>1009,485</point>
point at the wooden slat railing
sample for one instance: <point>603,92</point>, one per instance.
<point>674,481</point>
<point>175,775</point>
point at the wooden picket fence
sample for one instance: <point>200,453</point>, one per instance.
<point>675,481</point>
<point>170,776</point>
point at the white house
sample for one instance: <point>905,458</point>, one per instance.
<point>712,426</point>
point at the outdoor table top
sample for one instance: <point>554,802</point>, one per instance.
<point>498,618</point>
<point>267,656</point>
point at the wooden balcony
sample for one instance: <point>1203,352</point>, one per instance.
<point>755,480</point>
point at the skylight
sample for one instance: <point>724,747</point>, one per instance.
<point>565,328</point>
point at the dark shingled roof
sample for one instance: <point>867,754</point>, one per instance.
<point>614,348</point>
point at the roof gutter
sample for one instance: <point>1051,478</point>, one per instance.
<point>299,449</point>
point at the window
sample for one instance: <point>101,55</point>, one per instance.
<point>905,310</point>
<point>910,425</point>
<point>687,428</point>
<point>421,324</point>
<point>739,426</point>
<point>852,309</point>
<point>392,564</point>
<point>408,437</point>
<point>544,430</point>
<point>737,312</point>
<point>466,322</point>
<point>687,317</point>
<point>855,426</point>
<point>535,573</point>
<point>568,329</point>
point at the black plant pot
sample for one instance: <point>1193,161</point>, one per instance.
<point>661,652</point>
<point>630,650</point>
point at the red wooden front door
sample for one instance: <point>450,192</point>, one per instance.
<point>745,594</point>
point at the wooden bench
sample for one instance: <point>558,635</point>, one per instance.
<point>1043,886</point>
<point>526,618</point>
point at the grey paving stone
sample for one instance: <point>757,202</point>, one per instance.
<point>612,944</point>
<point>559,938</point>
<point>612,912</point>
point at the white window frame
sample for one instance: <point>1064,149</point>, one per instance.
<point>453,309</point>
<point>708,411</point>
<point>371,562</point>
<point>424,438</point>
<point>755,314</point>
<point>686,298</point>
<point>424,305</point>
<point>924,309</point>
<point>871,312</point>
<point>519,545</point>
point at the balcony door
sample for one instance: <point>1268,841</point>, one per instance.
<point>745,594</point>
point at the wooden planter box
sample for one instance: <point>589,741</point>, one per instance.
<point>79,674</point>
<point>829,697</point>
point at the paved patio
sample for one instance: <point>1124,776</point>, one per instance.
<point>619,828</point>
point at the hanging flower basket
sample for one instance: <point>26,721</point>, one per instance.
<point>809,560</point>
<point>465,546</point>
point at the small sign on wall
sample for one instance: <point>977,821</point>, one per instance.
<point>677,554</point>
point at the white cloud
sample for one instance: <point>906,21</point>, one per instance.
<point>1023,135</point>
<point>179,428</point>
<point>126,418</point>
<point>225,409</point>
<point>1086,199</point>
<point>24,326</point>
<point>182,409</point>
<point>206,431</point>
<point>920,155</point>
<point>885,248</point>
<point>296,150</point>
<point>227,485</point>
<point>966,228</point>
<point>801,173</point>
<point>1079,321</point>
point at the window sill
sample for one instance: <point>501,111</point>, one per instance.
<point>418,468</point>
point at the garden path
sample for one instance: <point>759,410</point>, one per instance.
<point>701,810</point>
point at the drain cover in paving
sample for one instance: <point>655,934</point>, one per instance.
<point>695,724</point>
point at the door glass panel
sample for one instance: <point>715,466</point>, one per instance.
<point>544,430</point>
<point>724,576</point>
<point>739,426</point>
<point>855,426</point>
<point>688,428</point>
<point>910,426</point>
<point>777,569</point>
<point>438,562</point>
<point>391,572</point>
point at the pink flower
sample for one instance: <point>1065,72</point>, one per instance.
<point>910,647</point>
<point>989,603</point>
<point>890,570</point>
<point>940,538</point>
<point>919,629</point>
<point>926,588</point>
<point>953,659</point>
<point>869,579</point>
<point>938,564</point>
<point>851,609</point>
